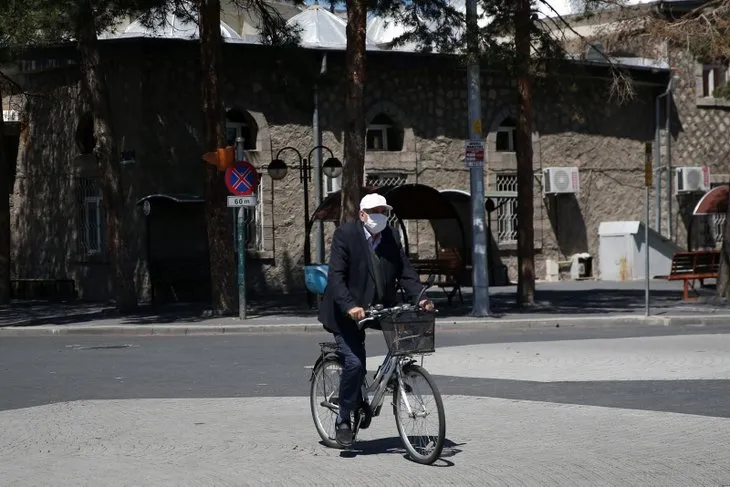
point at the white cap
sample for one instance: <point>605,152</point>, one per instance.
<point>374,200</point>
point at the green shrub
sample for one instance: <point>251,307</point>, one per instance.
<point>722,91</point>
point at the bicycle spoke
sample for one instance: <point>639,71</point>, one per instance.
<point>418,416</point>
<point>325,400</point>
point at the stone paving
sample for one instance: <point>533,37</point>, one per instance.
<point>685,357</point>
<point>271,441</point>
<point>490,441</point>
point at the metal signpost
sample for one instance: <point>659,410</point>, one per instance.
<point>474,160</point>
<point>242,181</point>
<point>647,184</point>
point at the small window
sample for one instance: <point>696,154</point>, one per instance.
<point>240,124</point>
<point>384,135</point>
<point>713,77</point>
<point>85,139</point>
<point>506,136</point>
<point>90,217</point>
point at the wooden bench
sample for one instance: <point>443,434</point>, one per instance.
<point>448,268</point>
<point>691,266</point>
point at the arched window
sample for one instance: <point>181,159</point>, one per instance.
<point>506,135</point>
<point>85,140</point>
<point>241,124</point>
<point>383,134</point>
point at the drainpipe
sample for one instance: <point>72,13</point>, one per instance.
<point>658,160</point>
<point>319,228</point>
<point>668,130</point>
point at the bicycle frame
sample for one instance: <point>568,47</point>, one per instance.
<point>392,365</point>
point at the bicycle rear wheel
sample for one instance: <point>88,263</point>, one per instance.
<point>413,410</point>
<point>324,399</point>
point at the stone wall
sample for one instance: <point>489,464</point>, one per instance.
<point>155,92</point>
<point>698,127</point>
<point>700,136</point>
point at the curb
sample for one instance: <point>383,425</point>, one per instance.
<point>441,325</point>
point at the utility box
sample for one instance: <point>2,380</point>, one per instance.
<point>621,250</point>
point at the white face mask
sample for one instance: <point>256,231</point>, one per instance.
<point>376,223</point>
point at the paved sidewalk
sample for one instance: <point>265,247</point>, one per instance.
<point>271,441</point>
<point>582,303</point>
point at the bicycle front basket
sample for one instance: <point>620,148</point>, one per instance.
<point>409,332</point>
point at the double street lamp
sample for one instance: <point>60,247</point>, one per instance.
<point>331,168</point>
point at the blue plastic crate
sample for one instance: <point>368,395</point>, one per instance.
<point>315,278</point>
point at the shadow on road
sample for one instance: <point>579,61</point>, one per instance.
<point>551,299</point>
<point>394,445</point>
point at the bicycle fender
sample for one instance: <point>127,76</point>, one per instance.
<point>322,357</point>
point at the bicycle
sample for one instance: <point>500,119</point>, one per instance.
<point>408,331</point>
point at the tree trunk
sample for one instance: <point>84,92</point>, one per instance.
<point>526,234</point>
<point>4,216</point>
<point>723,282</point>
<point>352,174</point>
<point>217,216</point>
<point>106,151</point>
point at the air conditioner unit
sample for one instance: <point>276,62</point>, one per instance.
<point>692,179</point>
<point>560,180</point>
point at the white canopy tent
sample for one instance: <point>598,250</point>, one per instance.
<point>321,29</point>
<point>383,30</point>
<point>173,27</point>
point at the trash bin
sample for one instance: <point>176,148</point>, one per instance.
<point>585,266</point>
<point>581,266</point>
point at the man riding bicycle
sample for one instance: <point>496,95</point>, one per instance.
<point>366,260</point>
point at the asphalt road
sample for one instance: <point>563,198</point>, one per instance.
<point>44,370</point>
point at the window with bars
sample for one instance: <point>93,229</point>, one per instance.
<point>718,228</point>
<point>253,219</point>
<point>378,180</point>
<point>716,223</point>
<point>90,217</point>
<point>507,209</point>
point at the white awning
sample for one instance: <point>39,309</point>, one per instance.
<point>321,29</point>
<point>173,27</point>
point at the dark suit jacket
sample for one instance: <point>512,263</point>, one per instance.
<point>350,281</point>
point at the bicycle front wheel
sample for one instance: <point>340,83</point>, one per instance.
<point>324,399</point>
<point>419,415</point>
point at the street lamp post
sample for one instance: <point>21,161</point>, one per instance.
<point>331,168</point>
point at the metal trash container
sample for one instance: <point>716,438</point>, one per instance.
<point>585,267</point>
<point>581,266</point>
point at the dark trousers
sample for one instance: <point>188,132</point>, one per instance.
<point>351,344</point>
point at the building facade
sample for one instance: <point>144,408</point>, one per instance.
<point>417,126</point>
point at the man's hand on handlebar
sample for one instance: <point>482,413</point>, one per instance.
<point>357,313</point>
<point>426,304</point>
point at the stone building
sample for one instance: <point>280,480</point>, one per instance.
<point>416,114</point>
<point>692,123</point>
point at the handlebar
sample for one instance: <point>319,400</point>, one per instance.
<point>375,312</point>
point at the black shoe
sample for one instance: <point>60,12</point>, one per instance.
<point>343,435</point>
